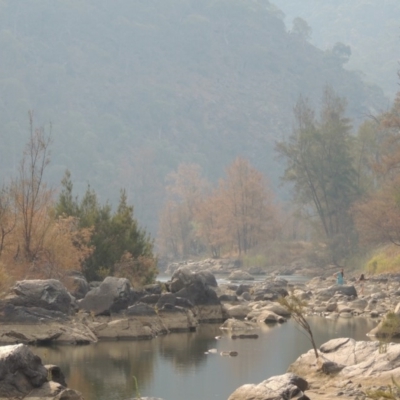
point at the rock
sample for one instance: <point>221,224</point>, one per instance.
<point>240,276</point>
<point>277,309</point>
<point>150,299</point>
<point>228,298</point>
<point>326,294</point>
<point>245,336</point>
<point>178,319</point>
<point>330,367</point>
<point>54,391</point>
<point>138,328</point>
<point>183,277</point>
<point>199,293</point>
<point>331,306</point>
<point>271,290</point>
<point>389,327</point>
<point>77,284</point>
<point>46,333</point>
<point>141,309</point>
<point>282,387</point>
<point>112,296</point>
<point>154,288</point>
<point>239,311</point>
<point>205,300</point>
<point>243,288</point>
<point>229,353</point>
<point>55,374</point>
<point>233,324</point>
<point>22,375</point>
<point>269,317</point>
<point>363,361</point>
<point>208,278</point>
<point>20,371</point>
<point>246,296</point>
<point>256,270</point>
<point>49,294</point>
<point>28,315</point>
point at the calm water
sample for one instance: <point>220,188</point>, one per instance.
<point>175,367</point>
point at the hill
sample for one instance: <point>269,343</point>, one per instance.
<point>134,88</point>
<point>370,27</point>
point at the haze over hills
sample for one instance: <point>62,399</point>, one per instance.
<point>134,88</point>
<point>370,27</point>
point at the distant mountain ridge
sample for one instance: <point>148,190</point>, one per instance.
<point>135,88</point>
<point>370,27</point>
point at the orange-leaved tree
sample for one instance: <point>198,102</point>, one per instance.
<point>177,232</point>
<point>247,211</point>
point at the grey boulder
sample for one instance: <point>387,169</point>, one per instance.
<point>282,387</point>
<point>49,294</point>
<point>112,296</point>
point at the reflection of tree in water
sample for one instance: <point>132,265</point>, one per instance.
<point>103,368</point>
<point>188,350</point>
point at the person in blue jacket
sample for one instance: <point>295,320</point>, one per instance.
<point>340,277</point>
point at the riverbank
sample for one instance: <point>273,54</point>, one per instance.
<point>115,311</point>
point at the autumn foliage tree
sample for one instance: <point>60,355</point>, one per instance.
<point>235,216</point>
<point>177,231</point>
<point>378,214</point>
<point>34,243</point>
<point>246,207</point>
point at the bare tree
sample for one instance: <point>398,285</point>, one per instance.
<point>32,196</point>
<point>295,306</point>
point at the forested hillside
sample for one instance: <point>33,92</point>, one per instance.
<point>370,27</point>
<point>134,88</point>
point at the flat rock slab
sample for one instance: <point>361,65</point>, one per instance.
<point>68,333</point>
<point>363,363</point>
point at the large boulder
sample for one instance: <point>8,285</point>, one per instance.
<point>22,375</point>
<point>282,387</point>
<point>240,276</point>
<point>49,294</point>
<point>365,362</point>
<point>177,319</point>
<point>112,296</point>
<point>199,293</point>
<point>328,293</point>
<point>20,371</point>
<point>28,315</point>
<point>271,290</point>
<point>39,334</point>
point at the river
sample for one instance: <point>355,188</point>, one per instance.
<point>176,366</point>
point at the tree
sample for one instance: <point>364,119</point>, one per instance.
<point>342,52</point>
<point>31,194</point>
<point>247,211</point>
<point>66,204</point>
<point>301,28</point>
<point>119,246</point>
<point>319,162</point>
<point>296,308</point>
<point>377,215</point>
<point>186,189</point>
<point>210,227</point>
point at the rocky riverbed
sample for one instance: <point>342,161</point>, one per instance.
<point>44,312</point>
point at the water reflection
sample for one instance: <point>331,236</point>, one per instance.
<point>176,367</point>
